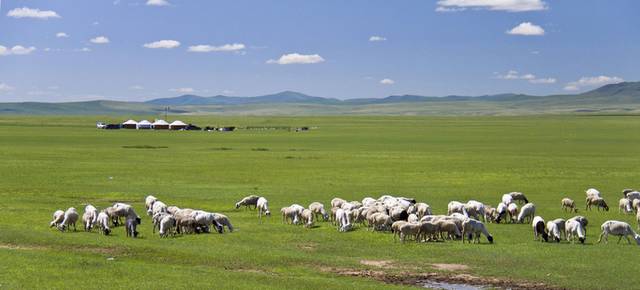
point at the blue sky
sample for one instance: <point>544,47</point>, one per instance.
<point>67,50</point>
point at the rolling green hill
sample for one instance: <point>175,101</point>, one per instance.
<point>609,99</point>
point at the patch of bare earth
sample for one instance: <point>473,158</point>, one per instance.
<point>398,276</point>
<point>98,250</point>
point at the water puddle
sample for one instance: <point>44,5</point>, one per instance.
<point>450,286</point>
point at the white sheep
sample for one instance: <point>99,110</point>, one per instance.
<point>148,203</point>
<point>631,196</point>
<point>289,214</point>
<point>555,228</point>
<point>423,209</point>
<point>398,213</point>
<point>337,202</point>
<point>411,230</point>
<point>90,217</point>
<point>158,207</point>
<point>501,212</point>
<point>103,223</point>
<point>527,211</point>
<point>343,220</point>
<point>582,220</point>
<point>456,206</point>
<point>519,196</point>
<point>71,216</point>
<point>574,229</point>
<point>618,228</point>
<point>58,217</point>
<point>413,218</point>
<point>638,218</point>
<point>382,222</point>
<point>475,209</point>
<point>539,229</point>
<point>596,201</point>
<point>223,221</point>
<point>512,209</point>
<point>263,207</point>
<point>507,199</point>
<point>318,209</point>
<point>368,201</point>
<point>172,209</point>
<point>569,204</point>
<point>248,201</point>
<point>624,206</point>
<point>592,192</point>
<point>204,219</point>
<point>395,228</point>
<point>307,218</point>
<point>167,225</point>
<point>429,231</point>
<point>472,229</point>
<point>450,228</point>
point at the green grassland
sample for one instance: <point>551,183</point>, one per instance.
<point>51,163</point>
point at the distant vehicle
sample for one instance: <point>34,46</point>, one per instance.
<point>112,126</point>
<point>226,129</point>
<point>101,125</point>
<point>192,127</point>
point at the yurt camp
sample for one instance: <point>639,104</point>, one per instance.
<point>177,125</point>
<point>130,124</point>
<point>160,125</point>
<point>143,125</point>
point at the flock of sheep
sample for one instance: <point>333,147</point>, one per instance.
<point>169,220</point>
<point>404,217</point>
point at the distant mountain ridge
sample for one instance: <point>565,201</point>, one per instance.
<point>613,98</point>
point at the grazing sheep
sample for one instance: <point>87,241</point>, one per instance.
<point>527,211</point>
<point>412,218</point>
<point>263,208</point>
<point>519,196</point>
<point>624,206</point>
<point>337,202</point>
<point>574,229</point>
<point>158,207</point>
<point>343,220</point>
<point>539,229</point>
<point>103,222</point>
<point>512,209</point>
<point>626,191</point>
<point>119,210</point>
<point>409,230</point>
<point>507,199</point>
<point>582,220</point>
<point>475,209</point>
<point>638,218</point>
<point>592,192</point>
<point>172,209</point>
<point>635,205</point>
<point>501,212</point>
<point>428,231</point>
<point>489,213</point>
<point>368,201</point>
<point>289,214</point>
<point>422,209</point>
<point>554,230</point>
<point>618,228</point>
<point>131,223</point>
<point>382,222</point>
<point>223,221</point>
<point>395,228</point>
<point>399,213</point>
<point>450,228</point>
<point>318,209</point>
<point>569,204</point>
<point>248,201</point>
<point>71,216</point>
<point>631,196</point>
<point>148,203</point>
<point>156,219</point>
<point>472,229</point>
<point>167,226</point>
<point>58,216</point>
<point>307,218</point>
<point>90,216</point>
<point>203,219</point>
<point>598,202</point>
<point>456,206</point>
<point>185,223</point>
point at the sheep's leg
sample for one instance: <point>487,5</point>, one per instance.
<point>619,239</point>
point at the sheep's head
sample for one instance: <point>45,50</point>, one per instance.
<point>237,205</point>
<point>106,231</point>
<point>545,237</point>
<point>267,213</point>
<point>637,238</point>
<point>557,239</point>
<point>606,207</point>
<point>490,239</point>
<point>581,240</point>
<point>138,220</point>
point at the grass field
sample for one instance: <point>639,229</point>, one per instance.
<point>51,163</point>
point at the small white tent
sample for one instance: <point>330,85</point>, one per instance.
<point>144,124</point>
<point>160,124</point>
<point>130,124</point>
<point>177,125</point>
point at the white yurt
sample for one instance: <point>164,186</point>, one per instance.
<point>130,124</point>
<point>160,125</point>
<point>144,124</point>
<point>177,125</point>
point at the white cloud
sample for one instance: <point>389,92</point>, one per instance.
<point>163,44</point>
<point>387,82</point>
<point>183,90</point>
<point>527,29</point>
<point>210,48</point>
<point>62,35</point>
<point>592,82</point>
<point>26,12</point>
<point>531,78</point>
<point>5,88</point>
<point>16,50</point>
<point>158,3</point>
<point>296,58</point>
<point>498,5</point>
<point>136,87</point>
<point>84,49</point>
<point>377,38</point>
<point>100,40</point>
<point>227,92</point>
